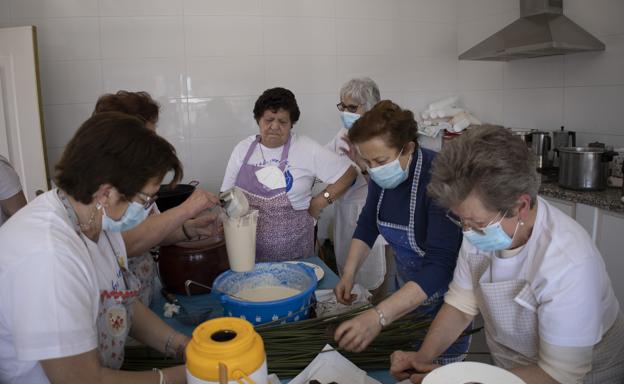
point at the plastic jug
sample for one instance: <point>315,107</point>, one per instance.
<point>240,241</point>
<point>227,346</point>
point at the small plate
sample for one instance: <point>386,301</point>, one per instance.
<point>318,271</point>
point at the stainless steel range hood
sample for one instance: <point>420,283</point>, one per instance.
<point>542,30</point>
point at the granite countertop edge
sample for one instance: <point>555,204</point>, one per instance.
<point>609,199</point>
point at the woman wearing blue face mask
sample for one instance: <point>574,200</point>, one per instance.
<point>357,96</point>
<point>532,272</point>
<point>424,240</point>
<point>68,300</point>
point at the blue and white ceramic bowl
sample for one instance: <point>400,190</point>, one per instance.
<point>290,309</point>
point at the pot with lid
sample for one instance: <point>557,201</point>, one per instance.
<point>584,168</point>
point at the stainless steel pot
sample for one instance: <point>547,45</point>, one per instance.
<point>584,168</point>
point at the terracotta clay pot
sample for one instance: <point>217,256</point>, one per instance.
<point>199,260</point>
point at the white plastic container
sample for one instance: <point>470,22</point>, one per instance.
<point>240,241</point>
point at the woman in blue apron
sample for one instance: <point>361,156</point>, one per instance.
<point>424,240</point>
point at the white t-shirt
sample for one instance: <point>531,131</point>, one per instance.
<point>576,303</point>
<point>359,189</point>
<point>9,183</point>
<point>307,160</point>
<point>49,288</point>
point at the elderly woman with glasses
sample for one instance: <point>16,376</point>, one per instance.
<point>533,273</point>
<point>424,241</point>
<point>357,96</point>
<point>68,301</point>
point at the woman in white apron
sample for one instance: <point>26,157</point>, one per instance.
<point>425,242</point>
<point>357,96</point>
<point>534,274</point>
<point>276,170</point>
<point>68,299</point>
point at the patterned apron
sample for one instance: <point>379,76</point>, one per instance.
<point>409,257</point>
<point>283,233</point>
<point>509,310</point>
<point>114,318</point>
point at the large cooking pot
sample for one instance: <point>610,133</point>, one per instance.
<point>584,168</point>
<point>198,260</point>
<point>172,197</point>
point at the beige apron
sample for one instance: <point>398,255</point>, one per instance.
<point>509,311</point>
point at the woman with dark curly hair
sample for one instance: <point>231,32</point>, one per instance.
<point>424,240</point>
<point>276,170</point>
<point>68,299</point>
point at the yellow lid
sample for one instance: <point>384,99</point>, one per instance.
<point>227,340</point>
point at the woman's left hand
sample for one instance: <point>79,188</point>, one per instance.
<point>206,224</point>
<point>356,334</point>
<point>317,204</point>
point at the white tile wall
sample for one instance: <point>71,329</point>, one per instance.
<point>584,92</point>
<point>206,62</point>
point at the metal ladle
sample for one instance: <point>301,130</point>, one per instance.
<point>188,283</point>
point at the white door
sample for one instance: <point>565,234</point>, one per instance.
<point>21,133</point>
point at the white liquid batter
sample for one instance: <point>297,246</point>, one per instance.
<point>267,293</point>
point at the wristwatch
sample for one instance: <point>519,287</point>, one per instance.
<point>327,197</point>
<point>382,318</point>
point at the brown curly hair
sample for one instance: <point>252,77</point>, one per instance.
<point>138,104</point>
<point>396,126</point>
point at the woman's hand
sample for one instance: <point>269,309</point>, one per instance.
<point>343,290</point>
<point>199,201</point>
<point>175,375</point>
<point>205,225</point>
<point>356,334</point>
<point>352,153</point>
<point>317,204</point>
<point>412,365</point>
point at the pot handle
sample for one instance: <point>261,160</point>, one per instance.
<point>194,183</point>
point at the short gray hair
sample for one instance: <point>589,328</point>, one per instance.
<point>489,161</point>
<point>363,90</point>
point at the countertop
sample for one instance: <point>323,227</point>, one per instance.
<point>609,199</point>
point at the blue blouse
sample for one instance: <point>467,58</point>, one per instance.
<point>435,234</point>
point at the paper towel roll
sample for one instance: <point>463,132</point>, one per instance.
<point>444,103</point>
<point>470,371</point>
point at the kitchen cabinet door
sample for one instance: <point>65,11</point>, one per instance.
<point>610,241</point>
<point>21,133</point>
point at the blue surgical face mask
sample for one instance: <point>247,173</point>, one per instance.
<point>389,175</point>
<point>348,118</point>
<point>134,215</point>
<point>494,237</point>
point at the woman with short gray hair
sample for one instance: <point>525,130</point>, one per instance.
<point>357,96</point>
<point>534,274</point>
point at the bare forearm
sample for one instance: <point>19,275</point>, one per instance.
<point>341,185</point>
<point>358,251</point>
<point>157,229</point>
<point>403,301</point>
<point>13,203</point>
<point>533,374</point>
<point>448,324</point>
<point>151,330</point>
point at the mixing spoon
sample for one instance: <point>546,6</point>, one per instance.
<point>188,283</point>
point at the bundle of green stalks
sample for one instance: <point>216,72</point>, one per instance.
<point>290,347</point>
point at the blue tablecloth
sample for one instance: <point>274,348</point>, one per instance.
<point>197,303</point>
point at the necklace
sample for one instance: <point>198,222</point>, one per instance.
<point>89,224</point>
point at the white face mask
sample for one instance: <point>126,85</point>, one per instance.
<point>271,177</point>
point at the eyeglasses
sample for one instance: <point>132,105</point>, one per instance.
<point>350,107</point>
<point>461,223</point>
<point>147,200</point>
